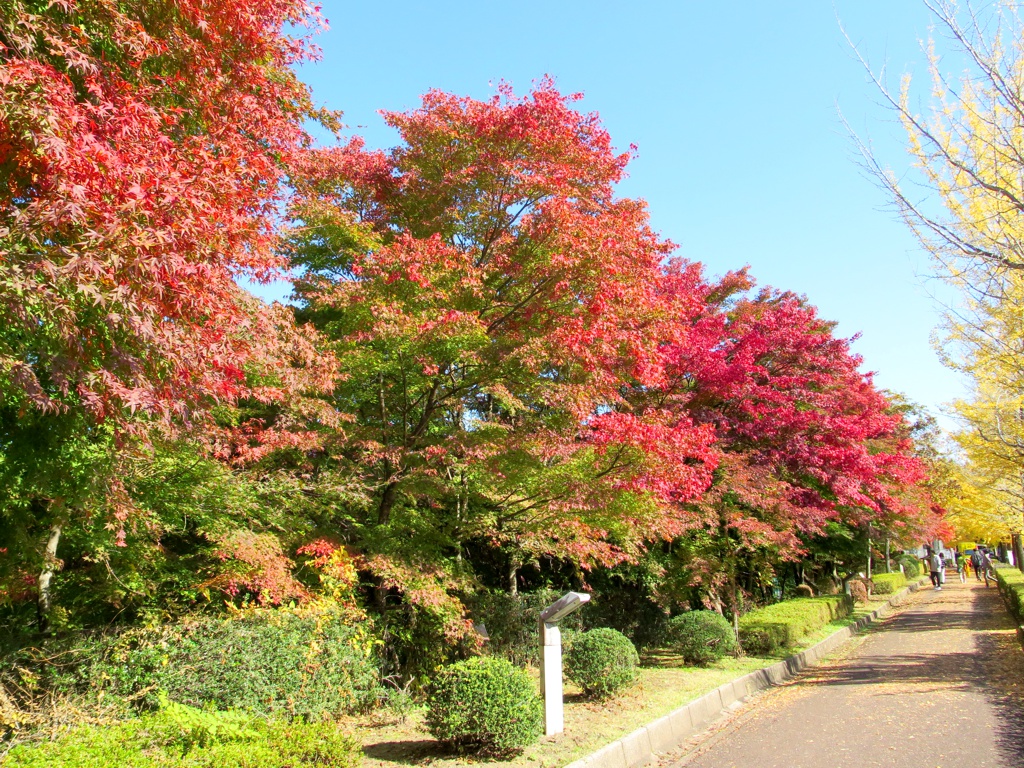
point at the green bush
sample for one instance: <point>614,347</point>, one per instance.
<point>484,705</point>
<point>888,583</point>
<point>183,737</point>
<point>270,662</point>
<point>1011,587</point>
<point>601,661</point>
<point>701,637</point>
<point>911,567</point>
<point>278,663</point>
<point>766,630</point>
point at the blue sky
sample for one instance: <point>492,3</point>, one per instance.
<point>742,156</point>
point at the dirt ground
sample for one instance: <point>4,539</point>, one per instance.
<point>938,685</point>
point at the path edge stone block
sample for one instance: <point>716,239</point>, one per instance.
<point>662,735</point>
<point>682,724</point>
<point>637,748</point>
<point>668,732</point>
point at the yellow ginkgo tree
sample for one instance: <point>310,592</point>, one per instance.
<point>967,149</point>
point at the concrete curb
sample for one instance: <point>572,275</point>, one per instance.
<point>668,732</point>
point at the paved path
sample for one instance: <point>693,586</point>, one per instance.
<point>938,685</point>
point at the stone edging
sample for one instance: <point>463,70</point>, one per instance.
<point>668,732</point>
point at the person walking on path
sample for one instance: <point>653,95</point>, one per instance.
<point>976,562</point>
<point>935,566</point>
<point>961,567</point>
<point>986,567</point>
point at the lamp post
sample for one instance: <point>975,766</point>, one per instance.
<point>551,657</point>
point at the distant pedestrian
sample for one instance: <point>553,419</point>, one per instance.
<point>976,562</point>
<point>935,566</point>
<point>961,567</point>
<point>986,567</point>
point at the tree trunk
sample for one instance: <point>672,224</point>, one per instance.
<point>1018,551</point>
<point>513,578</point>
<point>735,607</point>
<point>461,515</point>
<point>50,567</point>
<point>888,562</point>
<point>716,602</point>
<point>387,502</point>
<point>868,551</point>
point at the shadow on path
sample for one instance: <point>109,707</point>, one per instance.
<point>1001,656</point>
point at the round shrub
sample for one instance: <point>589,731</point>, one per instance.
<point>600,661</point>
<point>484,705</point>
<point>701,637</point>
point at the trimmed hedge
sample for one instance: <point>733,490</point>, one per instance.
<point>184,737</point>
<point>888,583</point>
<point>484,705</point>
<point>1011,586</point>
<point>275,663</point>
<point>766,630</point>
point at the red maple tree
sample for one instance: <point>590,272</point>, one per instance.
<point>143,148</point>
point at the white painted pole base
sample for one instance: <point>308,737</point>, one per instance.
<point>551,658</point>
<point>551,683</point>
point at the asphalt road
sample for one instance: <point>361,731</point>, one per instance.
<point>938,685</point>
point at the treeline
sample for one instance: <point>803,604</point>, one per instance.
<point>494,375</point>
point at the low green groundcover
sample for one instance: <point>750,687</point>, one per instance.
<point>184,737</point>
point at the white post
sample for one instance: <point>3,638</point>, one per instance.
<point>551,677</point>
<point>551,658</point>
